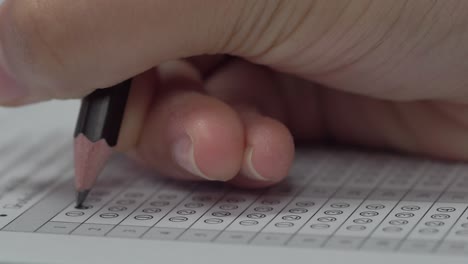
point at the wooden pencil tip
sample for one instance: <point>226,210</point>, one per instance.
<point>90,158</point>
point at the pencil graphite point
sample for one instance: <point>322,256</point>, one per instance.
<point>90,158</point>
<point>80,198</point>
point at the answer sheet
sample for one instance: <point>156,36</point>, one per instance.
<point>356,205</point>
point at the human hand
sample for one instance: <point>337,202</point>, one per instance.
<point>225,88</point>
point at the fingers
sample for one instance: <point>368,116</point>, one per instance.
<point>62,49</point>
<point>268,152</point>
<point>269,147</point>
<point>187,134</point>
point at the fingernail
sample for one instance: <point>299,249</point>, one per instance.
<point>184,155</point>
<point>9,89</point>
<point>249,170</point>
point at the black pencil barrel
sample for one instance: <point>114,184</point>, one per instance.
<point>102,112</point>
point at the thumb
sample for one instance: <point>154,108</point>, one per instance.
<point>62,49</point>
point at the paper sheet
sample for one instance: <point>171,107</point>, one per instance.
<point>333,199</point>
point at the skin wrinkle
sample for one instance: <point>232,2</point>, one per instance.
<point>435,21</point>
<point>300,24</point>
<point>331,27</point>
<point>320,76</point>
<point>313,43</point>
<point>363,39</point>
<point>413,50</point>
<point>282,28</point>
<point>392,63</point>
<point>246,26</point>
<point>229,30</point>
<point>255,38</point>
<point>286,29</point>
<point>231,44</point>
<point>444,39</point>
<point>447,33</point>
<point>325,74</point>
<point>262,31</point>
<point>400,61</point>
<point>285,37</point>
<point>402,43</point>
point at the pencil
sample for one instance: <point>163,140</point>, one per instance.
<point>97,132</point>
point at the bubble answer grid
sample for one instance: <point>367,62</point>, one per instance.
<point>332,199</point>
